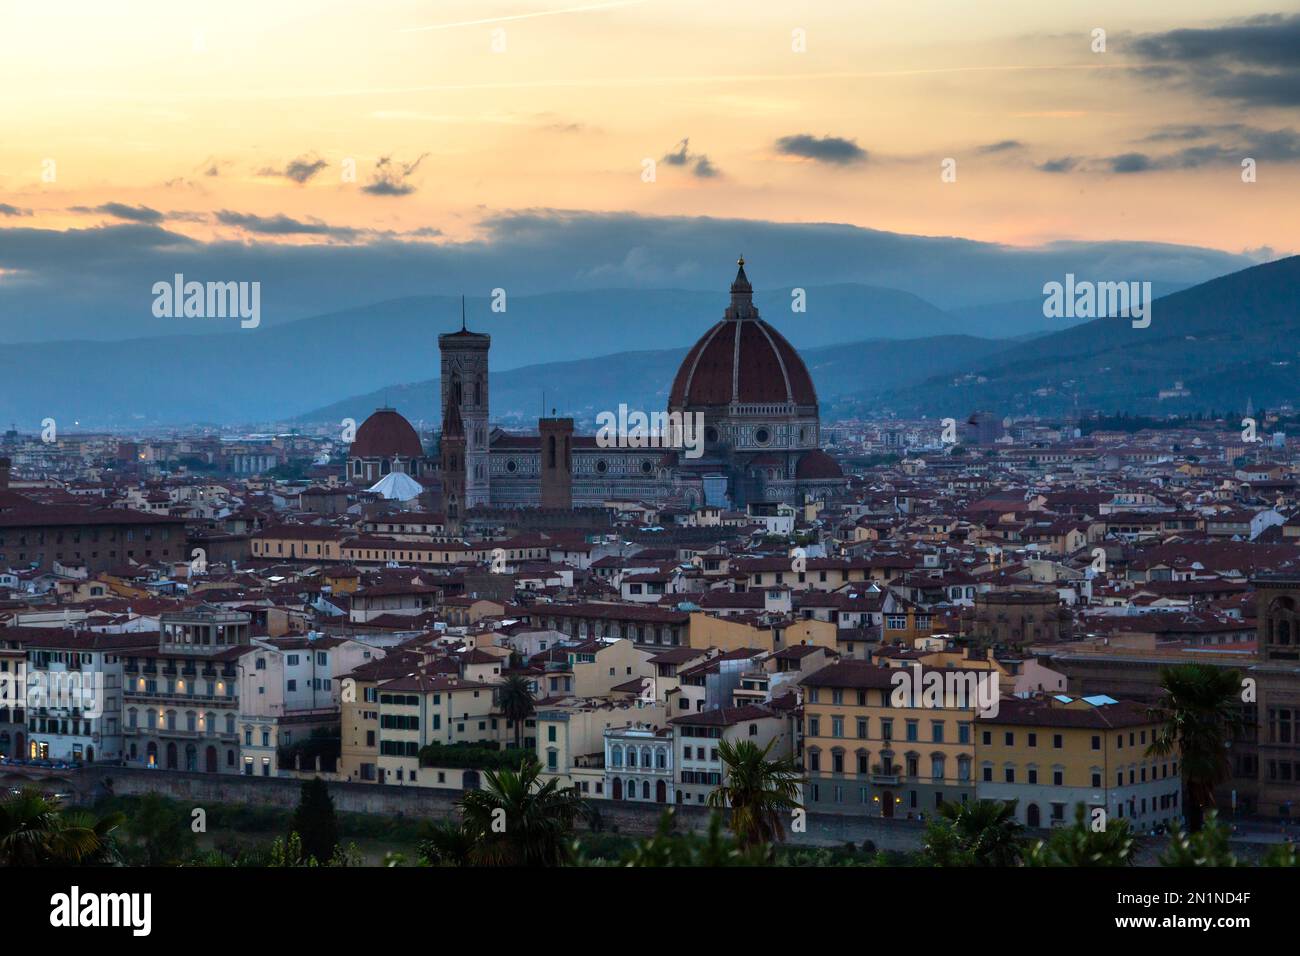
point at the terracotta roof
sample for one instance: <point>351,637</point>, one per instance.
<point>386,434</point>
<point>723,716</point>
<point>816,464</point>
<point>742,359</point>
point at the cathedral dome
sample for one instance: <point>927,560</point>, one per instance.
<point>386,434</point>
<point>742,360</point>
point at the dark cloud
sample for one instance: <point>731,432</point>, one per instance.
<point>298,170</point>
<point>212,167</point>
<point>1255,60</point>
<point>8,210</point>
<point>93,283</point>
<point>119,210</point>
<point>1272,40</point>
<point>704,168</point>
<point>1002,146</point>
<point>1223,143</point>
<point>1131,163</point>
<point>1200,144</point>
<point>1062,164</point>
<point>826,149</point>
<point>282,225</point>
<point>391,178</point>
<point>1185,132</point>
<point>699,163</point>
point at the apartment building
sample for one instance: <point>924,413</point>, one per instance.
<point>639,763</point>
<point>70,686</point>
<point>571,738</point>
<point>422,709</point>
<point>868,751</point>
<point>699,769</point>
<point>1052,752</point>
<point>181,696</point>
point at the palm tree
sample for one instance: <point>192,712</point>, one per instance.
<point>34,832</point>
<point>516,820</point>
<point>977,833</point>
<point>760,792</point>
<point>516,702</point>
<point>1199,716</point>
<point>444,843</point>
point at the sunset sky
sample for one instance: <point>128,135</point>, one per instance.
<point>236,122</point>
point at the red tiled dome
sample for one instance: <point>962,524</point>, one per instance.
<point>386,434</point>
<point>817,464</point>
<point>742,359</point>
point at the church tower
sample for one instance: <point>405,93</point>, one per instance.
<point>452,464</point>
<point>556,462</point>
<point>465,385</point>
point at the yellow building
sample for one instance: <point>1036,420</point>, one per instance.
<point>421,709</point>
<point>297,542</point>
<point>905,623</point>
<point>875,745</point>
<point>359,715</point>
<point>769,633</point>
<point>1049,753</point>
<point>571,738</point>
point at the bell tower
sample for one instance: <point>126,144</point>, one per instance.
<point>452,465</point>
<point>556,462</point>
<point>465,384</point>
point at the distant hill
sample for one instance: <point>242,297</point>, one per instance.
<point>1227,340</point>
<point>274,373</point>
<point>1025,316</point>
<point>641,380</point>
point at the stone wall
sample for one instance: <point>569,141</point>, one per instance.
<point>632,819</point>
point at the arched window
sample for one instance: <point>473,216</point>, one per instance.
<point>616,756</point>
<point>550,451</point>
<point>631,756</point>
<point>661,758</point>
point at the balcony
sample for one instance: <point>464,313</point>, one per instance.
<point>137,695</point>
<point>886,774</point>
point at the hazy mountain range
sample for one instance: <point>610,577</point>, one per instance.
<point>1226,341</point>
<point>868,349</point>
<point>641,380</point>
<point>281,372</point>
